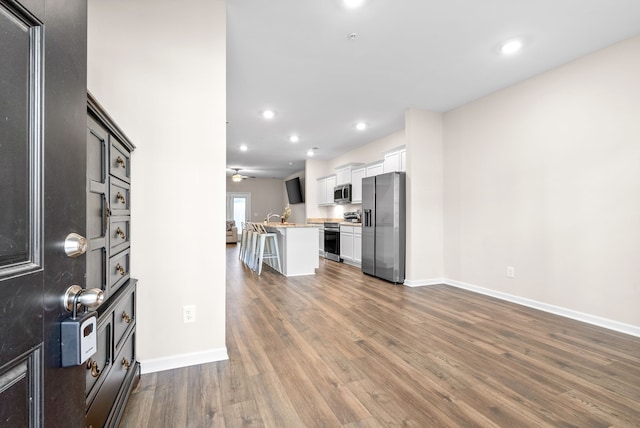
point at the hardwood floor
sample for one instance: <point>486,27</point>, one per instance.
<point>341,349</point>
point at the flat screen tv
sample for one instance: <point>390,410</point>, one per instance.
<point>294,191</point>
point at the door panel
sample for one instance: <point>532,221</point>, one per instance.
<point>21,273</point>
<point>368,224</point>
<point>385,222</point>
<point>42,168</point>
<point>20,142</point>
<point>19,385</point>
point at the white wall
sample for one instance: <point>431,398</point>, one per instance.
<point>424,145</point>
<point>266,195</point>
<point>368,153</point>
<point>159,70</point>
<point>298,211</point>
<point>545,177</point>
<point>313,169</point>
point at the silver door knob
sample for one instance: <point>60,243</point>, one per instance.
<point>91,297</point>
<point>75,245</point>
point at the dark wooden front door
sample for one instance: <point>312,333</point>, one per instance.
<point>42,177</point>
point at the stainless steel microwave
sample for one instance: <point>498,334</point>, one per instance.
<point>342,194</point>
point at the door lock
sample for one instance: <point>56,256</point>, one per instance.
<point>75,245</point>
<point>91,298</point>
<point>78,334</point>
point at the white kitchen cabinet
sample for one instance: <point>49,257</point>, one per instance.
<point>331,183</point>
<point>374,168</point>
<point>357,245</point>
<point>325,190</point>
<point>343,176</point>
<point>356,184</point>
<point>395,160</point>
<point>346,243</point>
<point>351,244</point>
<point>321,242</point>
<point>344,173</point>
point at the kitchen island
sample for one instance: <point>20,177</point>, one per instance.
<point>298,247</point>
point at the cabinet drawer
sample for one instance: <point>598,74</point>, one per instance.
<point>119,194</point>
<point>98,365</point>
<point>123,317</point>
<point>119,161</point>
<point>119,233</point>
<point>118,270</point>
<point>346,229</point>
<point>100,408</point>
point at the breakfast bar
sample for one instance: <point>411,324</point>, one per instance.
<point>298,247</point>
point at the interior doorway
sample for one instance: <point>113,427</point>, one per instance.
<point>239,208</point>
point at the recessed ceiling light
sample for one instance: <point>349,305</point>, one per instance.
<point>511,46</point>
<point>361,126</point>
<point>268,114</point>
<point>310,152</point>
<point>294,138</point>
<point>353,4</point>
<point>244,148</point>
<point>290,163</point>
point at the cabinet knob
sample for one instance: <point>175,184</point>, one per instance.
<point>126,363</point>
<point>93,366</point>
<point>120,269</point>
<point>126,317</point>
<point>120,197</point>
<point>120,233</point>
<point>121,162</point>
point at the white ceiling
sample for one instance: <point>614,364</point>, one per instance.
<point>296,57</point>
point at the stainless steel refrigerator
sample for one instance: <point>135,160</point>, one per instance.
<point>384,226</point>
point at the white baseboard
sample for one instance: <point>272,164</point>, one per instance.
<point>183,360</point>
<point>423,282</point>
<point>351,263</point>
<point>557,310</point>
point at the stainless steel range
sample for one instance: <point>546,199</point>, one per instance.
<point>332,241</point>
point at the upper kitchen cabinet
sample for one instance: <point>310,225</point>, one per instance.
<point>344,173</point>
<point>395,160</point>
<point>374,168</point>
<point>325,190</point>
<point>356,186</point>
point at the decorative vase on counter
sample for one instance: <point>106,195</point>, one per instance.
<point>285,215</point>
<point>282,220</point>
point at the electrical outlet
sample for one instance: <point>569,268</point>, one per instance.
<point>189,313</point>
<point>511,272</point>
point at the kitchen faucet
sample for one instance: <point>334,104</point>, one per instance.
<point>268,219</point>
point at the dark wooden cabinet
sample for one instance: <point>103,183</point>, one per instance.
<point>111,372</point>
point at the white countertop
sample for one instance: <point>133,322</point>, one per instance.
<point>288,225</point>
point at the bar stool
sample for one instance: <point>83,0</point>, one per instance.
<point>243,241</point>
<point>252,245</point>
<point>270,241</point>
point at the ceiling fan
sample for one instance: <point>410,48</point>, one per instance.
<point>237,177</point>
